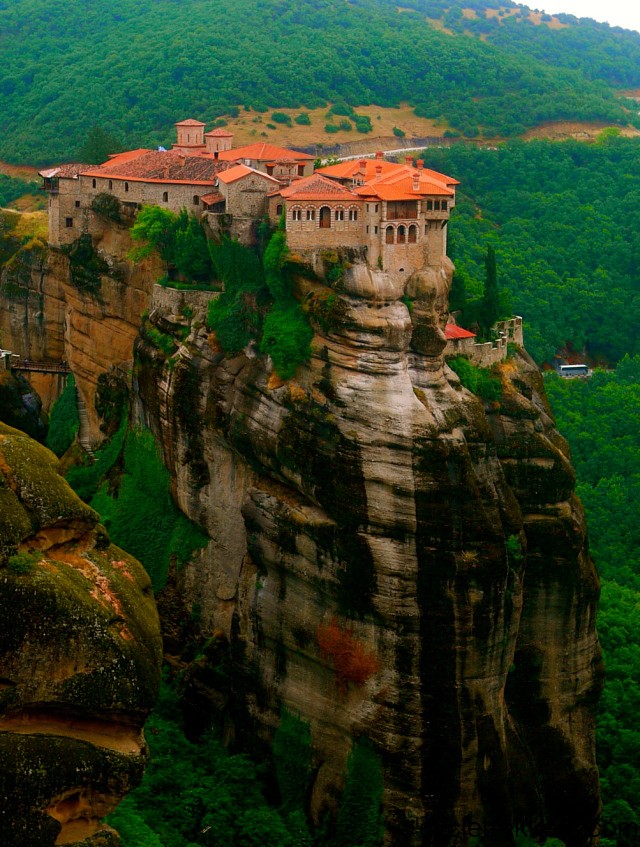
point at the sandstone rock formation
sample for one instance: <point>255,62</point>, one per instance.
<point>373,499</point>
<point>55,309</point>
<point>80,654</point>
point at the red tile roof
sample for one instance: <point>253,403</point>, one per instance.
<point>160,166</point>
<point>218,133</point>
<point>210,199</point>
<point>239,171</point>
<point>190,122</point>
<point>404,183</point>
<point>317,187</point>
<point>351,169</point>
<point>70,171</point>
<point>263,152</point>
<point>452,332</point>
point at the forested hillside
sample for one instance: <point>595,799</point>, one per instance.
<point>599,418</point>
<point>133,67</point>
<point>565,223</point>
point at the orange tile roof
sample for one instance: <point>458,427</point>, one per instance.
<point>400,184</point>
<point>210,199</point>
<point>262,152</point>
<point>317,187</point>
<point>239,171</point>
<point>452,332</point>
<point>70,171</point>
<point>160,166</point>
<point>219,133</point>
<point>348,170</point>
<point>190,122</point>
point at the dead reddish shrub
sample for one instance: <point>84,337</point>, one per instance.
<point>350,658</point>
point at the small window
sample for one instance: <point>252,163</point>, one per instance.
<point>300,170</point>
<point>110,185</point>
<point>443,205</point>
<point>436,205</point>
<point>196,200</point>
<point>311,214</point>
<point>279,209</point>
<point>68,222</point>
<point>165,196</point>
<point>375,230</point>
<point>126,186</point>
<point>429,205</point>
<point>413,234</point>
<point>376,208</point>
<point>367,229</point>
<point>93,183</point>
<point>401,235</point>
<point>353,214</point>
<point>339,214</point>
<point>296,215</point>
<point>389,235</point>
<point>269,170</point>
<point>77,204</point>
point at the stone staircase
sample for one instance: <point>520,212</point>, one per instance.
<point>83,430</point>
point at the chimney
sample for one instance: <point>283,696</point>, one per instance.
<point>378,169</point>
<point>182,159</point>
<point>379,154</point>
<point>362,166</point>
<point>420,164</point>
<point>416,182</point>
<point>408,160</point>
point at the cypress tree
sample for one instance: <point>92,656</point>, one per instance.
<point>490,303</point>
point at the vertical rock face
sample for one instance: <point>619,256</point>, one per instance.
<point>394,558</point>
<point>56,306</point>
<point>80,653</point>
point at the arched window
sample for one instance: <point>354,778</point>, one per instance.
<point>325,217</point>
<point>165,196</point>
<point>402,234</point>
<point>196,200</point>
<point>126,186</point>
<point>93,183</point>
<point>339,214</point>
<point>413,234</point>
<point>388,235</point>
<point>279,209</point>
<point>353,214</point>
<point>311,214</point>
<point>296,215</point>
<point>110,185</point>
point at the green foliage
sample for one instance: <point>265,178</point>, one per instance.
<point>565,222</point>
<point>399,133</point>
<point>292,754</point>
<point>331,128</point>
<point>86,266</point>
<point>274,258</point>
<point>143,518</point>
<point>98,146</point>
<point>179,239</point>
<point>477,380</point>
<point>286,338</point>
<point>21,563</point>
<point>11,188</point>
<point>107,206</point>
<point>490,302</point>
<point>131,73</point>
<point>345,125</point>
<point>360,819</point>
<point>598,416</point>
<point>281,118</point>
<point>303,119</point>
<point>363,123</point>
<point>64,421</point>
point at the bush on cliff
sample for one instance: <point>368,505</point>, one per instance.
<point>178,239</point>
<point>64,421</point>
<point>477,380</point>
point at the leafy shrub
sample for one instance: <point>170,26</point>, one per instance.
<point>85,479</point>
<point>179,239</point>
<point>331,128</point>
<point>292,754</point>
<point>64,421</point>
<point>281,118</point>
<point>86,266</point>
<point>286,338</point>
<point>350,658</point>
<point>363,123</point>
<point>345,125</point>
<point>399,133</point>
<point>303,119</point>
<point>107,206</point>
<point>477,380</point>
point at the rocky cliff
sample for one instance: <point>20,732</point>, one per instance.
<point>392,558</point>
<point>80,653</point>
<point>82,305</point>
